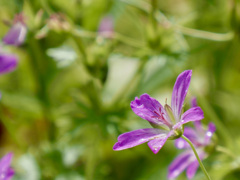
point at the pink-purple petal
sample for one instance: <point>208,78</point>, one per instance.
<point>193,114</point>
<point>179,92</point>
<point>180,164</point>
<point>16,35</point>
<point>106,26</point>
<point>5,170</point>
<point>194,102</point>
<point>9,174</point>
<point>137,137</point>
<point>8,63</point>
<point>209,133</point>
<point>190,134</point>
<point>180,143</point>
<point>192,169</point>
<point>5,162</point>
<point>156,144</point>
<point>198,126</point>
<point>149,109</point>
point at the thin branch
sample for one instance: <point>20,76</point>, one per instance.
<point>163,21</point>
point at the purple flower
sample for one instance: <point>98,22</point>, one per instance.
<point>201,139</point>
<point>106,26</point>
<point>8,62</point>
<point>6,172</point>
<point>167,122</point>
<point>16,35</point>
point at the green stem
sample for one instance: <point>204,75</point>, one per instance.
<point>229,153</point>
<point>115,35</point>
<point>226,151</point>
<point>204,34</point>
<point>46,7</point>
<point>196,154</point>
<point>152,14</point>
<point>184,30</point>
<point>127,40</point>
<point>80,46</point>
<point>38,67</point>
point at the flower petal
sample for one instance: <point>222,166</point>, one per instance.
<point>209,133</point>
<point>5,164</point>
<point>191,134</point>
<point>193,114</point>
<point>8,63</point>
<point>194,102</point>
<point>192,169</point>
<point>137,137</point>
<point>16,34</point>
<point>10,174</point>
<point>198,126</point>
<point>180,143</point>
<point>156,144</point>
<point>6,160</point>
<point>180,164</point>
<point>106,26</point>
<point>150,109</point>
<point>179,92</point>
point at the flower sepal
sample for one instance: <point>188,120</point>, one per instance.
<point>168,109</point>
<point>211,140</point>
<point>163,126</point>
<point>177,133</point>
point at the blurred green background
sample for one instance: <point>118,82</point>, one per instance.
<point>63,108</point>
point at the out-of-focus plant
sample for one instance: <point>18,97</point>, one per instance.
<point>80,64</point>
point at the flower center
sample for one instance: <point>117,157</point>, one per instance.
<point>160,117</point>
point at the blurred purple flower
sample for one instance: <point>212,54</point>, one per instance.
<point>6,172</point>
<point>8,62</point>
<point>170,120</point>
<point>200,138</point>
<point>106,26</point>
<point>16,35</point>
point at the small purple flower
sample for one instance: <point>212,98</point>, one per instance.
<point>8,62</point>
<point>106,26</point>
<point>16,35</point>
<point>201,139</point>
<point>6,172</point>
<point>169,119</point>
